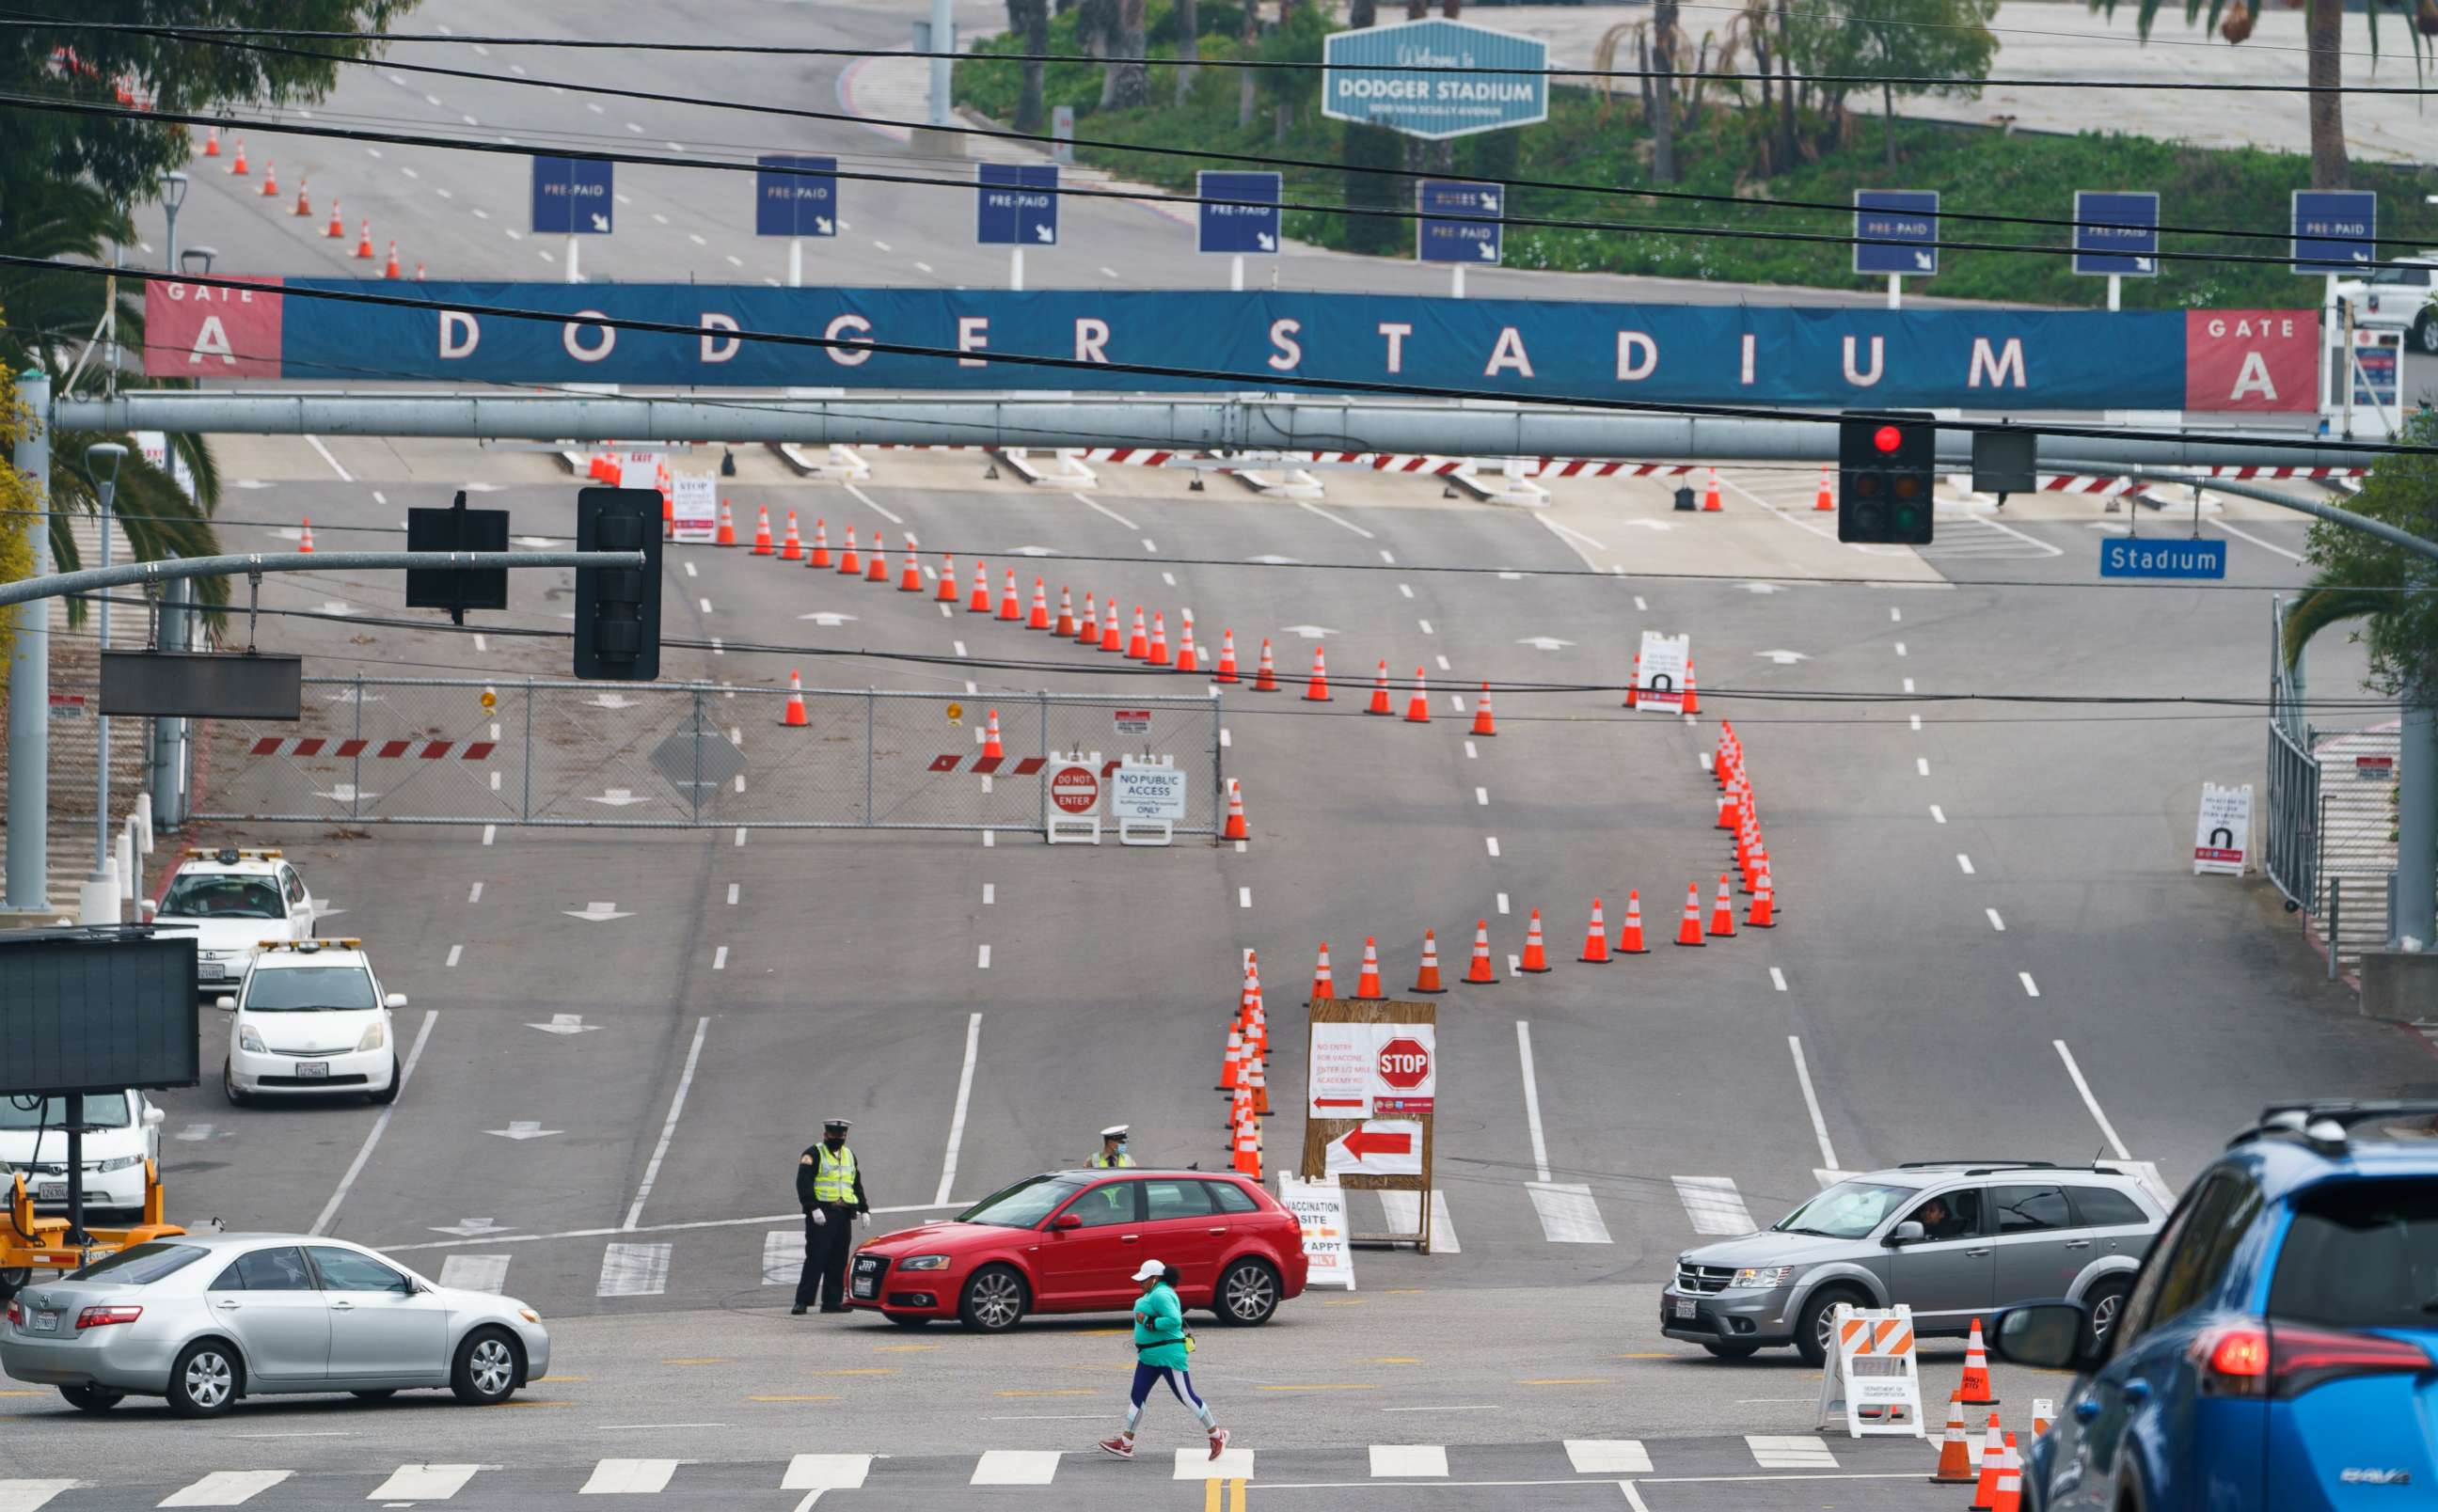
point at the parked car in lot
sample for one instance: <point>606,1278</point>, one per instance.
<point>232,900</point>
<point>312,1018</point>
<point>206,1319</point>
<point>2279,1349</point>
<point>2401,293</point>
<point>122,1130</point>
<point>1952,1240</point>
<point>1069,1241</point>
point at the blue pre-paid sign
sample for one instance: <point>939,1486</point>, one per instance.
<point>1018,205</point>
<point>1238,227</point>
<point>800,199</point>
<point>570,197</point>
<point>2116,233</point>
<point>2334,229</point>
<point>1903,228</point>
<point>2136,557</point>
<point>1442,237</point>
<point>1435,78</point>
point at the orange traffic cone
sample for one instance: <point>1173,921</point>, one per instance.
<point>1692,692</point>
<point>1478,973</point>
<point>1731,809</point>
<point>1266,676</point>
<point>794,718</point>
<point>1237,829</point>
<point>237,164</point>
<point>1595,938</point>
<point>876,565</point>
<point>980,602</point>
<point>819,555</point>
<point>2009,1497</point>
<point>948,593</point>
<point>1139,644</point>
<point>1379,704</point>
<point>418,273</point>
<point>389,269</point>
<point>270,181</point>
<point>991,746</point>
<point>909,577</point>
<point>668,518</point>
<point>1040,618</point>
<point>1159,656</point>
<point>1536,950</point>
<point>1317,690</point>
<point>762,546</point>
<point>850,562</point>
<point>793,549</point>
<point>1111,641</point>
<point>1066,625</point>
<point>303,200</point>
<point>1010,606</point>
<point>1633,683</point>
<point>337,229</point>
<point>1629,940</point>
<point>1231,1067</point>
<point>1417,708</point>
<point>1710,504</point>
<point>1993,1458</point>
<point>1482,723</point>
<point>212,142</point>
<point>1689,931</point>
<point>1257,1076</point>
<point>1722,913</point>
<point>1977,1371</point>
<point>365,243</point>
<point>1323,989</point>
<point>1366,981</point>
<point>1188,659</point>
<point>1227,656</point>
<point>1763,912</point>
<point>1427,980</point>
<point>2039,1416</point>
<point>1956,1450</point>
<point>1824,502</point>
<point>303,542</point>
<point>726,536</point>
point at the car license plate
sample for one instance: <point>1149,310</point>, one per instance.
<point>1685,1308</point>
<point>46,1323</point>
<point>210,968</point>
<point>309,1070</point>
<point>51,1191</point>
<point>865,1287</point>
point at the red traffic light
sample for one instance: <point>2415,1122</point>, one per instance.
<point>1886,439</point>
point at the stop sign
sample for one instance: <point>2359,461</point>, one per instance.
<point>1404,1063</point>
<point>1074,789</point>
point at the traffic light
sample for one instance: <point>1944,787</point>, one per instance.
<point>1886,465</point>
<point>618,608</point>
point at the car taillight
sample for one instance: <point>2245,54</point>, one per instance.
<point>2287,1360</point>
<point>104,1318</point>
<point>2233,1361</point>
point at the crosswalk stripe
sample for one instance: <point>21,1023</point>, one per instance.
<point>423,1482</point>
<point>1714,1204</point>
<point>634,1269</point>
<point>1409,1459</point>
<point>227,1489</point>
<point>29,1496</point>
<point>1197,1464</point>
<point>1405,1213</point>
<point>826,1472</point>
<point>782,1256</point>
<point>1568,1215</point>
<point>1017,1467</point>
<point>1608,1456</point>
<point>475,1272</point>
<point>629,1478</point>
<point>1796,1451</point>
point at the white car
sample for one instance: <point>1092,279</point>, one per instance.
<point>312,1019</point>
<point>233,900</point>
<point>122,1130</point>
<point>2398,295</point>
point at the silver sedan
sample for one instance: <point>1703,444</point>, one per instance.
<point>206,1319</point>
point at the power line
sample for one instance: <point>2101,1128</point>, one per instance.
<point>1241,381</point>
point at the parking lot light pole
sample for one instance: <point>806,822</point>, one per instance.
<point>101,462</point>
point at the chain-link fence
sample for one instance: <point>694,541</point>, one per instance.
<point>687,755</point>
<point>2328,828</point>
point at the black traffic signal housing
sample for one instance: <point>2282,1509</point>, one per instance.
<point>618,608</point>
<point>1887,463</point>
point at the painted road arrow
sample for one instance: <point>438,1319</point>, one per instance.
<point>611,700</point>
<point>1311,632</point>
<point>523,1129</point>
<point>1784,658</point>
<point>469,1228</point>
<point>1762,587</point>
<point>617,798</point>
<point>826,619</point>
<point>1544,642</point>
<point>1273,559</point>
<point>345,793</point>
<point>1652,524</point>
<point>567,1022</point>
<point>596,913</point>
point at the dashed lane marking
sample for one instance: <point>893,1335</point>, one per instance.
<point>1388,557</point>
<point>719,958</point>
<point>964,1100</point>
<point>1963,861</point>
<point>1443,663</point>
<point>1502,903</point>
<point>1097,505</point>
<point>669,1126</point>
<point>2031,988</point>
<point>1777,978</point>
<point>474,894</point>
<point>1407,588</point>
<point>1490,840</point>
<point>981,958</point>
<point>990,893</point>
<point>732,891</point>
<point>1921,766</point>
<point>1244,897</point>
<point>1937,814</point>
<point>1810,1099</point>
<point>1996,923</point>
<point>456,952</point>
<point>1481,797</point>
<point>1425,624</point>
<point>1901,649</point>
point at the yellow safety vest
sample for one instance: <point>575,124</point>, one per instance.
<point>1102,1162</point>
<point>833,1175</point>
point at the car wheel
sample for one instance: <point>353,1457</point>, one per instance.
<point>1817,1326</point>
<point>2425,334</point>
<point>383,1395</point>
<point>2107,1304</point>
<point>1248,1295</point>
<point>1731,1351</point>
<point>13,1281</point>
<point>904,1321</point>
<point>205,1379</point>
<point>228,1086</point>
<point>993,1300</point>
<point>485,1373</point>
<point>91,1399</point>
<point>388,1094</point>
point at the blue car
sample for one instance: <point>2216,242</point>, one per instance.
<point>2279,1349</point>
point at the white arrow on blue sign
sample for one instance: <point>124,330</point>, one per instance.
<point>1903,228</point>
<point>2116,233</point>
<point>1017,205</point>
<point>570,197</point>
<point>2334,229</point>
<point>1460,221</point>
<point>1239,227</point>
<point>795,196</point>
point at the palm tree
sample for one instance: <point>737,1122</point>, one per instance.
<point>1030,20</point>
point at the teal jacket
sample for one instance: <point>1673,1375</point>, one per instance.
<point>1159,1329</point>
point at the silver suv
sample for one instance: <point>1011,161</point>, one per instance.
<point>1952,1240</point>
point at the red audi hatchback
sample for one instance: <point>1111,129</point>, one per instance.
<point>1068,1242</point>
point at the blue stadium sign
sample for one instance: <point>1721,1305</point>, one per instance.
<point>1436,78</point>
<point>2117,233</point>
<point>1017,205</point>
<point>2190,559</point>
<point>1905,223</point>
<point>570,197</point>
<point>802,203</point>
<point>1239,227</point>
<point>1443,238</point>
<point>2334,229</point>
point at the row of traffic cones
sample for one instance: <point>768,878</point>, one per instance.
<point>1243,1075</point>
<point>1996,1473</point>
<point>1598,948</point>
<point>335,230</point>
<point>1739,816</point>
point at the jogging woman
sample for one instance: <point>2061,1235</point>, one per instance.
<point>1161,1355</point>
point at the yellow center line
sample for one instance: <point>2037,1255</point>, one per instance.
<point>1403,1291</point>
<point>1392,1360</point>
<point>1568,1380</point>
<point>1104,1333</point>
<point>791,1399</point>
<point>1055,1391</point>
<point>24,1392</point>
<point>1343,1302</point>
<point>1235,1494</point>
<point>1327,1385</point>
<point>861,1370</point>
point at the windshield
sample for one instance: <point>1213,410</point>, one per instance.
<point>2395,274</point>
<point>1024,1205</point>
<point>222,897</point>
<point>94,1110</point>
<point>141,1263</point>
<point>1851,1209</point>
<point>301,989</point>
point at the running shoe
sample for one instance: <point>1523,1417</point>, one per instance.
<point>1218,1441</point>
<point>1123,1447</point>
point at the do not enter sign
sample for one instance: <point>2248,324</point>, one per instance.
<point>1406,1064</point>
<point>1074,789</point>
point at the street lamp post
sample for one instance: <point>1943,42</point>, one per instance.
<point>173,194</point>
<point>101,462</point>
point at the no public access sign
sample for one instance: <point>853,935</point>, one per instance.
<point>1436,78</point>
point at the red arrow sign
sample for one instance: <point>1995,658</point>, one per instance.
<point>1364,1143</point>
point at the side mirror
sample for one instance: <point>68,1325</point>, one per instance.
<point>145,909</point>
<point>1904,1233</point>
<point>394,1000</point>
<point>2046,1336</point>
<point>153,1117</point>
<point>1066,1220</point>
<point>226,1001</point>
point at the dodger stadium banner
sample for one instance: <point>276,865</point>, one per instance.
<point>1546,349</point>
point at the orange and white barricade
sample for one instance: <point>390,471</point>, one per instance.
<point>1872,1377</point>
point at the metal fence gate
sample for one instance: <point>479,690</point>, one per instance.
<point>398,750</point>
<point>2328,827</point>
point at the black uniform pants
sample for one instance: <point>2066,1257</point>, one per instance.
<point>826,1248</point>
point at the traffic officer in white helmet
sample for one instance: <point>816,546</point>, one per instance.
<point>829,1188</point>
<point>1113,1155</point>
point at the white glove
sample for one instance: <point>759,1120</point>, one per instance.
<point>863,1218</point>
<point>820,1216</point>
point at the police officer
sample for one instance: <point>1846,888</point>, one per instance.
<point>829,1188</point>
<point>1113,1155</point>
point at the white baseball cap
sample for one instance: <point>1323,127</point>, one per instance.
<point>1150,1270</point>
